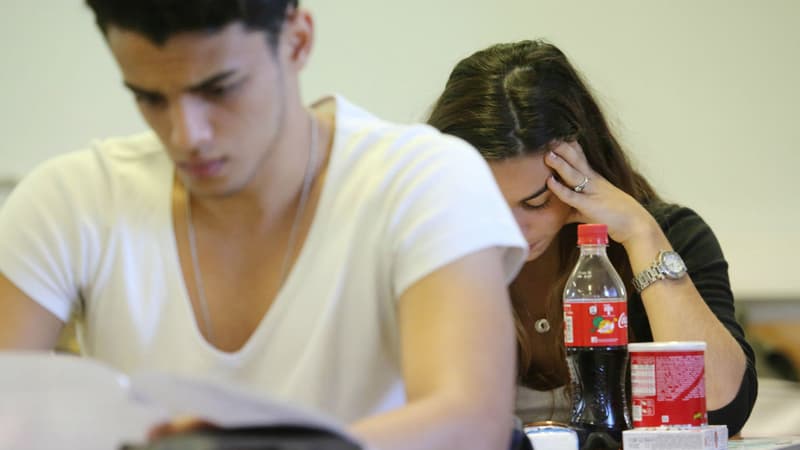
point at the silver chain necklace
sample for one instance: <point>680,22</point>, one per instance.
<point>301,206</point>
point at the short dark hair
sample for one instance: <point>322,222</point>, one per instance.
<point>160,19</point>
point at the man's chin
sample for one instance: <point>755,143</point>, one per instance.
<point>211,190</point>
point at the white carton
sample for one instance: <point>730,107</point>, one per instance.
<point>552,438</point>
<point>711,437</point>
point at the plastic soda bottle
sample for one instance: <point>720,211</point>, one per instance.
<point>596,338</point>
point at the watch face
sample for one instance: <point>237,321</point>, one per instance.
<point>673,264</point>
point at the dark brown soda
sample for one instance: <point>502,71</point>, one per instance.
<point>600,409</point>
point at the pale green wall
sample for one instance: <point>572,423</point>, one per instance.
<point>703,92</point>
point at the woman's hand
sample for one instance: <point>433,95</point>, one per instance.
<point>593,198</point>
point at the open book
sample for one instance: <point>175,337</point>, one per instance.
<point>52,401</point>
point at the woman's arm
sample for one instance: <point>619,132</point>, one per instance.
<point>458,362</point>
<point>675,308</point>
<point>694,240</point>
<point>677,312</point>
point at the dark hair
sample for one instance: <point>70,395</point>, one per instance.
<point>160,19</point>
<point>517,99</point>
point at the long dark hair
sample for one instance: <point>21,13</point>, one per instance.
<point>160,19</point>
<point>516,99</point>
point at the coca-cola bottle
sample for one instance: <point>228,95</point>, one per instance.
<point>596,339</point>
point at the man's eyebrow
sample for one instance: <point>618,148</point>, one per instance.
<point>202,85</point>
<point>211,81</point>
<point>137,90</point>
<point>535,194</point>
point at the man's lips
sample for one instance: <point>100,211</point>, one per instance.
<point>202,168</point>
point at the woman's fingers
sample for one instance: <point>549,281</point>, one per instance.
<point>601,202</point>
<point>572,153</point>
<point>567,173</point>
<point>592,198</point>
<point>570,197</point>
<point>569,161</point>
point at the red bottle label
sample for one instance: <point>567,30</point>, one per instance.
<point>596,323</point>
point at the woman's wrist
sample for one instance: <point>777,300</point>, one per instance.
<point>643,243</point>
<point>642,231</point>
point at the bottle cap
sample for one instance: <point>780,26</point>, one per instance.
<point>592,234</point>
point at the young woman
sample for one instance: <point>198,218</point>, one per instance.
<point>528,112</point>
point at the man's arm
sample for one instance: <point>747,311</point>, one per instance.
<point>457,338</point>
<point>24,324</point>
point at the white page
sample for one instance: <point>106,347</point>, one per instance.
<point>222,403</point>
<point>50,401</point>
<point>53,401</point>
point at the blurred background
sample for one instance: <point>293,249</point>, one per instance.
<point>703,94</point>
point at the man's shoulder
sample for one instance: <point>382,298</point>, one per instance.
<point>356,116</point>
<point>142,148</point>
<point>104,168</point>
<point>104,159</point>
<point>359,131</point>
<point>132,149</point>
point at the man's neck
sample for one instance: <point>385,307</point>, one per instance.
<point>270,199</point>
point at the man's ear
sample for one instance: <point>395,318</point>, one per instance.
<point>297,37</point>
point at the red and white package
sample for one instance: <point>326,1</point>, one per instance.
<point>668,384</point>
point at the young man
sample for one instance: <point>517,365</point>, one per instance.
<point>319,255</point>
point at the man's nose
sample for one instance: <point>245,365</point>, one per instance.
<point>191,128</point>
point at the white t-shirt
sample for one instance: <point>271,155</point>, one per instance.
<point>93,229</point>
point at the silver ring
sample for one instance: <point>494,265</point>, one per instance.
<point>579,188</point>
<point>542,326</point>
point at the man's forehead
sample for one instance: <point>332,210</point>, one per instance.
<point>185,59</point>
<point>120,36</point>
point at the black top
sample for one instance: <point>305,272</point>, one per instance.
<point>693,239</point>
